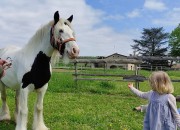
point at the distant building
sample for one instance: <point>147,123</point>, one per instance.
<point>113,65</point>
<point>101,65</point>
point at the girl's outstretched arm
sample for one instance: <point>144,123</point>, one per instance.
<point>145,95</point>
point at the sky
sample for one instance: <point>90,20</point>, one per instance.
<point>102,27</point>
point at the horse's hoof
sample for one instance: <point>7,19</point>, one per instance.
<point>5,117</point>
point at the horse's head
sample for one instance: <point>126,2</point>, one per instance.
<point>63,37</point>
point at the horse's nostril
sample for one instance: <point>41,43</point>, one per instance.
<point>74,51</point>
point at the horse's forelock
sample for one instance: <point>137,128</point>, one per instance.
<point>61,20</point>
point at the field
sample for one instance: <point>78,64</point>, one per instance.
<point>92,105</point>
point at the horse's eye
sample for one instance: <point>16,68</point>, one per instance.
<point>61,31</point>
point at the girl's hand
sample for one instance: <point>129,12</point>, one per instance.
<point>130,85</point>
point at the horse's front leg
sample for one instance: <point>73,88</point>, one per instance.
<point>21,123</point>
<point>17,104</point>
<point>38,123</point>
<point>4,114</point>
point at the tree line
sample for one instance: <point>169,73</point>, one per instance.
<point>157,42</point>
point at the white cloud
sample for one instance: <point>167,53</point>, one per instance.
<point>134,13</point>
<point>156,5</point>
<point>20,20</point>
<point>116,17</point>
<point>171,18</point>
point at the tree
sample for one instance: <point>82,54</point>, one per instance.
<point>174,42</point>
<point>153,42</point>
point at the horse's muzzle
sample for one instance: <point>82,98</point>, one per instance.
<point>74,53</point>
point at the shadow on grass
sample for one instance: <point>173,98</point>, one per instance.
<point>7,125</point>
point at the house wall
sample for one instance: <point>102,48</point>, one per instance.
<point>130,67</point>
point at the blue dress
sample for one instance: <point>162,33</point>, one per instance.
<point>158,115</point>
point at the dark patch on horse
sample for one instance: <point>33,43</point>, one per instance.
<point>40,73</point>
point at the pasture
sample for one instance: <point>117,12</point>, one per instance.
<point>92,105</point>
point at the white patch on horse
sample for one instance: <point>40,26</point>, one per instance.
<point>26,60</point>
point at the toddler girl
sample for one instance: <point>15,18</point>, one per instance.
<point>162,111</point>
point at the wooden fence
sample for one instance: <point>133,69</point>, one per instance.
<point>136,77</point>
<point>130,60</point>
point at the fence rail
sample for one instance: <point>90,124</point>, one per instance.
<point>117,61</point>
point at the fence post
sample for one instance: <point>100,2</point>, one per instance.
<point>105,67</point>
<point>76,75</point>
<point>136,73</point>
<point>151,68</point>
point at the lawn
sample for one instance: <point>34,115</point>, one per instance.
<point>92,105</point>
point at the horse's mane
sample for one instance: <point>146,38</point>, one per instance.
<point>38,36</point>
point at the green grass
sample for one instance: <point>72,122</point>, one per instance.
<point>92,105</point>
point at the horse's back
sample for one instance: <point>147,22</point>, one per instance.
<point>10,79</point>
<point>8,50</point>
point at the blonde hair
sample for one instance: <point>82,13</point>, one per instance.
<point>161,82</point>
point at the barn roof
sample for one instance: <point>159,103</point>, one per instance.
<point>115,54</point>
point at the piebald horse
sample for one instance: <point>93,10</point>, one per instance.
<point>31,69</point>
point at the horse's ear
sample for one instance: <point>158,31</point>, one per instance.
<point>56,17</point>
<point>70,18</point>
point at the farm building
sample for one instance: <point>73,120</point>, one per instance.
<point>102,65</point>
<point>113,65</point>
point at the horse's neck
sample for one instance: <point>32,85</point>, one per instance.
<point>40,42</point>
